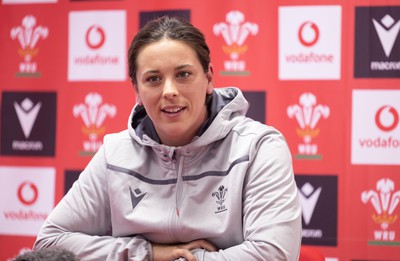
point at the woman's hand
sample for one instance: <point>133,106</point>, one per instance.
<point>171,252</point>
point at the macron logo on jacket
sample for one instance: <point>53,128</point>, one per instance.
<point>136,197</point>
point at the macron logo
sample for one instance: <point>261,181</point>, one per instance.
<point>136,197</point>
<point>387,36</point>
<point>27,114</point>
<point>309,197</point>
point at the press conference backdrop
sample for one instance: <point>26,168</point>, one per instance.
<point>325,73</point>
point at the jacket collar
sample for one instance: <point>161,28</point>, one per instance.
<point>141,126</point>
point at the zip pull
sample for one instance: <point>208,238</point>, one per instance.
<point>177,211</point>
<point>173,156</point>
<point>172,153</point>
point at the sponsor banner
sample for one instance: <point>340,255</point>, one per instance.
<point>96,50</point>
<point>375,130</point>
<point>307,113</point>
<point>257,108</point>
<point>28,1</point>
<point>319,201</point>
<point>30,118</point>
<point>28,35</point>
<point>90,114</point>
<point>371,260</point>
<point>382,203</point>
<point>145,17</point>
<point>26,199</point>
<point>377,42</point>
<point>235,30</point>
<point>70,176</point>
<point>373,212</point>
<point>309,42</point>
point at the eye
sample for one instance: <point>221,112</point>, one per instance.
<point>153,79</point>
<point>183,74</point>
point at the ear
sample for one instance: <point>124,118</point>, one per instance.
<point>210,77</point>
<point>138,99</point>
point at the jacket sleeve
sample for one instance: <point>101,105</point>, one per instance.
<point>81,222</point>
<point>271,207</point>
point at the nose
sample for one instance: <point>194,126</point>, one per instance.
<point>170,89</point>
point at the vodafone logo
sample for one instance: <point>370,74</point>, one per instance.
<point>96,51</point>
<point>308,34</point>
<point>27,193</point>
<point>387,118</point>
<point>375,127</point>
<point>32,191</point>
<point>95,37</point>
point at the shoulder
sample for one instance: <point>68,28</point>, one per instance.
<point>116,144</point>
<point>116,138</point>
<point>261,138</point>
<point>248,126</point>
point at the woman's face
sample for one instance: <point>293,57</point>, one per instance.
<point>172,86</point>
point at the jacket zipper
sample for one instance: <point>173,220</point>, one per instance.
<point>178,196</point>
<point>176,212</point>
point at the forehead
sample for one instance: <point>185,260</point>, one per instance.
<point>165,46</point>
<point>166,51</point>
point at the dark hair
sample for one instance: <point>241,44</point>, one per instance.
<point>173,28</point>
<point>47,254</point>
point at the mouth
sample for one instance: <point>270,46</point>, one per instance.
<point>172,110</point>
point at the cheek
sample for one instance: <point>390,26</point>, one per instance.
<point>149,100</point>
<point>200,101</point>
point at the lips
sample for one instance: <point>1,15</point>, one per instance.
<point>172,109</point>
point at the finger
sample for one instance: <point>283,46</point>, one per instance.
<point>201,243</point>
<point>185,253</point>
<point>207,245</point>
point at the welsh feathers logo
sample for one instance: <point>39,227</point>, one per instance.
<point>308,113</point>
<point>220,195</point>
<point>384,201</point>
<point>93,113</point>
<point>28,34</point>
<point>235,32</point>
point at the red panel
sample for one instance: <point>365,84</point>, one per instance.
<point>252,65</point>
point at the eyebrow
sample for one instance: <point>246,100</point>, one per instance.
<point>150,71</point>
<point>180,67</point>
<point>183,66</point>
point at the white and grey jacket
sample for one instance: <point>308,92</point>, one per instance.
<point>233,185</point>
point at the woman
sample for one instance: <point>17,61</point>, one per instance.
<point>192,178</point>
